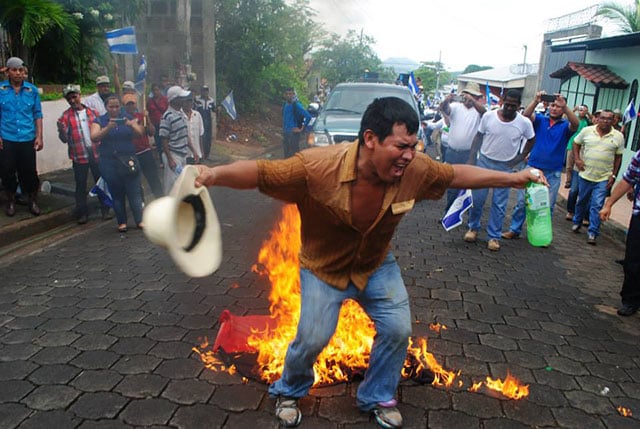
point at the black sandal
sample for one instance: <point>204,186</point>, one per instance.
<point>122,228</point>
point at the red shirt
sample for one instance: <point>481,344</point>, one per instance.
<point>156,107</point>
<point>141,143</point>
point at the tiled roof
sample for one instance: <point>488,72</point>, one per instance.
<point>598,74</point>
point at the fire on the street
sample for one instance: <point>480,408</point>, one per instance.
<point>348,351</point>
<point>626,412</point>
<point>510,387</point>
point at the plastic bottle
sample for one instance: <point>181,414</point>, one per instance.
<point>538,212</point>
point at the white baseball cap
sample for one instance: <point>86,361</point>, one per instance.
<point>177,92</point>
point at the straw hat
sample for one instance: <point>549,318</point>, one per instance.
<point>186,224</point>
<point>472,88</point>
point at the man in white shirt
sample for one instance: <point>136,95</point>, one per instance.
<point>195,125</point>
<point>96,100</point>
<point>464,119</point>
<point>498,140</point>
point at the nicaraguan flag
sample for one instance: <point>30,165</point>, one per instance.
<point>461,204</point>
<point>413,86</point>
<point>141,76</point>
<point>122,41</point>
<point>230,106</point>
<point>101,190</point>
<point>488,91</point>
<point>629,113</point>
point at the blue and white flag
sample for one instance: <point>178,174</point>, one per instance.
<point>488,94</point>
<point>122,41</point>
<point>141,76</point>
<point>413,86</point>
<point>230,106</point>
<point>629,113</point>
<point>101,190</point>
<point>461,204</point>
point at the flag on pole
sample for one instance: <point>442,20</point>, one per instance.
<point>629,113</point>
<point>488,91</point>
<point>230,106</point>
<point>412,84</point>
<point>141,76</point>
<point>461,204</point>
<point>122,41</point>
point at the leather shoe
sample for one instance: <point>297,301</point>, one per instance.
<point>510,235</point>
<point>10,209</point>
<point>627,310</point>
<point>34,209</point>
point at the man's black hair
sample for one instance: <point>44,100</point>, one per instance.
<point>383,113</point>
<point>515,94</point>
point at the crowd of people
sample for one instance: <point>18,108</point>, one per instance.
<point>107,135</point>
<point>549,136</point>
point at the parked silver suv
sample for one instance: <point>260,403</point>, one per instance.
<point>339,119</point>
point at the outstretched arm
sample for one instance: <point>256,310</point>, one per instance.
<point>618,191</point>
<point>238,175</point>
<point>471,177</point>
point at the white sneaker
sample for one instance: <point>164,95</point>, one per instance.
<point>287,412</point>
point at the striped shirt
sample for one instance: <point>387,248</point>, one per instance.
<point>632,176</point>
<point>173,126</point>
<point>599,152</point>
<point>319,182</point>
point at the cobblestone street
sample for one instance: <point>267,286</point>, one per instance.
<point>97,331</point>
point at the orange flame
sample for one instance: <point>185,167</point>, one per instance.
<point>475,387</point>
<point>349,349</point>
<point>510,387</point>
<point>437,327</point>
<point>626,412</point>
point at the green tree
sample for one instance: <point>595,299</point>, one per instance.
<point>625,16</point>
<point>28,21</point>
<point>343,59</point>
<point>432,72</point>
<point>261,47</point>
<point>472,68</point>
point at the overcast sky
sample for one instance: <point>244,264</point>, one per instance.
<point>487,32</point>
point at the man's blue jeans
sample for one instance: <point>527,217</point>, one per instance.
<point>454,157</point>
<point>591,196</point>
<point>498,201</point>
<point>385,300</point>
<point>517,218</point>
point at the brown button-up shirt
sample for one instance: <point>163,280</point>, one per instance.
<point>319,182</point>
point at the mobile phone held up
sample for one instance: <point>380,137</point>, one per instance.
<point>549,98</point>
<point>119,121</point>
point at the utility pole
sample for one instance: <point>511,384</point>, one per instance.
<point>524,61</point>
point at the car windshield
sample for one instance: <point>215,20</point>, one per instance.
<point>356,99</point>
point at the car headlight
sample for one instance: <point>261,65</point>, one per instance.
<point>322,139</point>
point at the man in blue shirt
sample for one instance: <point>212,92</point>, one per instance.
<point>20,136</point>
<point>294,120</point>
<point>552,136</point>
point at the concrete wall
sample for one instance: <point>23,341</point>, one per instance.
<point>53,155</point>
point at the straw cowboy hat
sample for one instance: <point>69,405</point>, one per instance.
<point>186,224</point>
<point>472,88</point>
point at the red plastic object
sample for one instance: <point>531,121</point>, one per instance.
<point>235,330</point>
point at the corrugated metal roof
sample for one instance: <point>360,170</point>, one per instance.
<point>598,74</point>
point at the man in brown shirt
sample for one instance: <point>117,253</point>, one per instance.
<point>351,197</point>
